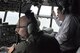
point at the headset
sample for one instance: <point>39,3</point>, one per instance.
<point>33,26</point>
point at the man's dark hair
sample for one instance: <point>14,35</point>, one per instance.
<point>29,14</point>
<point>66,5</point>
<point>60,8</point>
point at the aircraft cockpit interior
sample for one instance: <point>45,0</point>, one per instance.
<point>12,10</point>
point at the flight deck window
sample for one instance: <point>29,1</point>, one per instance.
<point>34,9</point>
<point>44,16</point>
<point>54,25</point>
<point>44,22</point>
<point>2,13</point>
<point>45,11</point>
<point>12,17</point>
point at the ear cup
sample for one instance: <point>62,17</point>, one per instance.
<point>33,27</point>
<point>30,28</point>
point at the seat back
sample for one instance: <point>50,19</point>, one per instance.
<point>48,30</point>
<point>44,43</point>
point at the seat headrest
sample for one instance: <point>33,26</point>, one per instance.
<point>48,30</point>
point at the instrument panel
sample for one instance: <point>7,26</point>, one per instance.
<point>7,35</point>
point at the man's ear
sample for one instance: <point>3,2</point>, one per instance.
<point>63,10</point>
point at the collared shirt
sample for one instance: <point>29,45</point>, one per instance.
<point>61,35</point>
